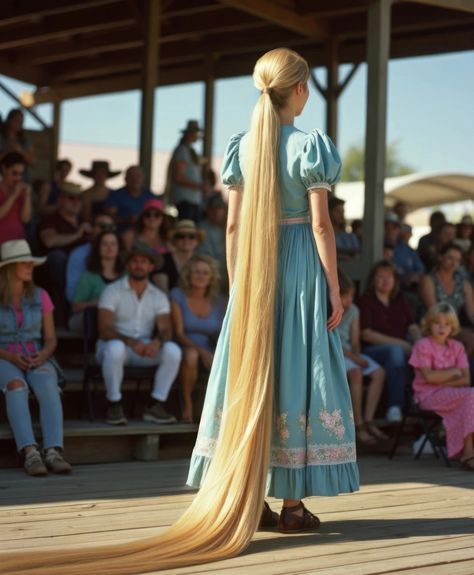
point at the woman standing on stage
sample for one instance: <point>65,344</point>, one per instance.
<point>277,417</point>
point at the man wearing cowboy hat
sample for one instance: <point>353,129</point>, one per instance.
<point>59,234</point>
<point>126,204</point>
<point>186,187</point>
<point>135,329</point>
<point>96,196</point>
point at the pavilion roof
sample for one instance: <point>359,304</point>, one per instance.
<point>82,47</point>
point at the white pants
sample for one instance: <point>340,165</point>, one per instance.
<point>114,355</point>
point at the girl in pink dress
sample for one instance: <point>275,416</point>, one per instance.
<point>441,381</point>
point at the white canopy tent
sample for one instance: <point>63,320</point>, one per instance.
<point>420,190</point>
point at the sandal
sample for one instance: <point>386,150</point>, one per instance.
<point>291,522</point>
<point>363,435</point>
<point>268,519</point>
<point>468,463</point>
<point>375,431</point>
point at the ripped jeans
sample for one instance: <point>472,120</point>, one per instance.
<point>43,382</point>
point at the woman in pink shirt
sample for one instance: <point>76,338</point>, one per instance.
<point>15,198</point>
<point>27,342</point>
<point>441,381</point>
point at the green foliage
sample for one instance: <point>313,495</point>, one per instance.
<point>353,163</point>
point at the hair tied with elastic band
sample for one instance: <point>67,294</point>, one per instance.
<point>266,90</point>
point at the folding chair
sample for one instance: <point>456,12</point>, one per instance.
<point>432,426</point>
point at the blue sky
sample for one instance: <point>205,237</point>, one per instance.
<point>430,112</point>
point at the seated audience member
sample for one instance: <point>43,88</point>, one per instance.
<point>347,244</point>
<point>359,365</point>
<point>104,267</point>
<point>409,266</point>
<point>59,234</point>
<point>386,322</point>
<point>77,260</point>
<point>126,204</point>
<point>428,244</point>
<point>197,312</point>
<point>13,138</point>
<point>184,239</point>
<point>96,196</point>
<point>441,381</point>
<point>27,341</point>
<point>15,198</point>
<point>214,225</point>
<point>446,285</point>
<point>135,329</point>
<point>357,229</point>
<point>148,229</point>
<point>388,252</point>
<point>48,193</point>
<point>463,237</point>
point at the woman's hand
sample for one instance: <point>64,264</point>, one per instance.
<point>38,358</point>
<point>206,358</point>
<point>21,361</point>
<point>337,311</point>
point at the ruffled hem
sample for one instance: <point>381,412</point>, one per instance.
<point>286,483</point>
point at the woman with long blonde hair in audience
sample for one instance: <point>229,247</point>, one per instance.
<point>277,417</point>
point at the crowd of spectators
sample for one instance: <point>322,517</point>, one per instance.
<point>157,284</point>
<point>153,280</point>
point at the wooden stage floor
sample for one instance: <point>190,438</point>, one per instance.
<point>410,517</point>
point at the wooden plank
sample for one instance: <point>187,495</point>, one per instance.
<point>283,17</point>
<point>461,5</point>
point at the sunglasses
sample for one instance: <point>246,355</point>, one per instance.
<point>106,227</point>
<point>152,214</point>
<point>185,236</point>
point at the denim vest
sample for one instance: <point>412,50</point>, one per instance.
<point>31,328</point>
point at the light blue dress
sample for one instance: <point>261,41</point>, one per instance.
<point>313,443</point>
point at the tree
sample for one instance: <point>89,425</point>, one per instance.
<point>353,163</point>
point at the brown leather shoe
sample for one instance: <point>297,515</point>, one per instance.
<point>292,522</point>
<point>269,519</point>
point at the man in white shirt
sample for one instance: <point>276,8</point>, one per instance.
<point>135,329</point>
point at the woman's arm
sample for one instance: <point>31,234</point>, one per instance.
<point>452,377</point>
<point>427,291</point>
<point>26,210</point>
<point>323,233</point>
<point>178,326</point>
<point>469,301</point>
<point>233,215</point>
<point>49,341</point>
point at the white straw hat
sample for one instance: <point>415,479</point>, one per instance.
<point>15,251</point>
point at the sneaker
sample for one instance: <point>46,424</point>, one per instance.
<point>55,461</point>
<point>158,414</point>
<point>394,414</point>
<point>34,464</point>
<point>115,414</point>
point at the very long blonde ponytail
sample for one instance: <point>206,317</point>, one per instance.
<point>225,513</point>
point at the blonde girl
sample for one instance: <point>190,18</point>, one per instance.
<point>441,381</point>
<point>277,416</point>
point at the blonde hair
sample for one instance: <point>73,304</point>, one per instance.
<point>212,290</point>
<point>437,310</point>
<point>225,513</point>
<point>6,279</point>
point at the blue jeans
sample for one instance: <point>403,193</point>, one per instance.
<point>393,359</point>
<point>43,382</point>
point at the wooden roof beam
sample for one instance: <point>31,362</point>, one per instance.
<point>461,5</point>
<point>282,16</point>
<point>325,9</point>
<point>60,26</point>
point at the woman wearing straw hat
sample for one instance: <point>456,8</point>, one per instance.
<point>95,197</point>
<point>27,342</point>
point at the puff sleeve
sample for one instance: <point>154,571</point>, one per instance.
<point>231,172</point>
<point>320,165</point>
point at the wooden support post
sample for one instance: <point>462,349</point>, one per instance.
<point>332,90</point>
<point>149,81</point>
<point>55,135</point>
<point>378,49</point>
<point>209,109</point>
